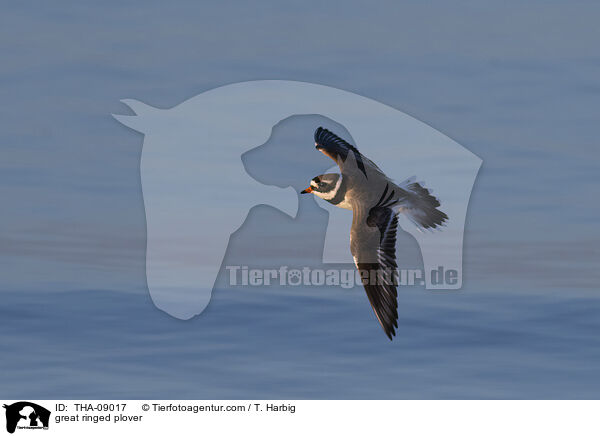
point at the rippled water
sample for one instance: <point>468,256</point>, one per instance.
<point>321,344</point>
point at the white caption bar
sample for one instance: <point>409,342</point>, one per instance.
<point>248,417</point>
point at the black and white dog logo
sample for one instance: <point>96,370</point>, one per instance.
<point>26,415</point>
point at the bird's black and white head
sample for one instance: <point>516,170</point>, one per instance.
<point>325,186</point>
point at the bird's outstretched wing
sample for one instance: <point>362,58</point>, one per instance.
<point>337,149</point>
<point>373,246</point>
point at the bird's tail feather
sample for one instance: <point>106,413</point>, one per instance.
<point>420,206</point>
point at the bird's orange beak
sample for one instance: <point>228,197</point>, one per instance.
<point>307,190</point>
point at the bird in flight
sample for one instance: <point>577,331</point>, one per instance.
<point>375,201</point>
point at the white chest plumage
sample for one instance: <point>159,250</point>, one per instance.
<point>344,204</point>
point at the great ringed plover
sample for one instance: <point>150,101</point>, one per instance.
<point>375,201</point>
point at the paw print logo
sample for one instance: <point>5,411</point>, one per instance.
<point>294,277</point>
